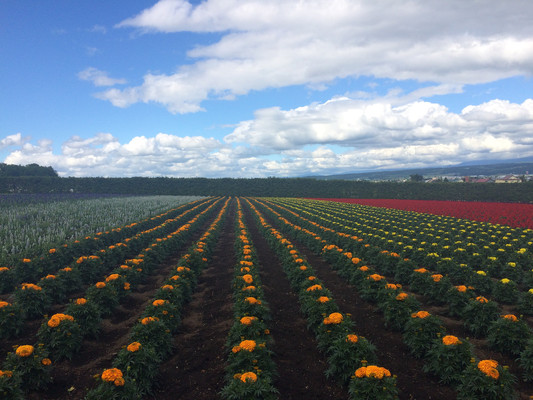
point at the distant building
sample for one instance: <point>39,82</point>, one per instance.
<point>508,179</point>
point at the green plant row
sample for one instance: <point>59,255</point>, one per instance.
<point>31,301</point>
<point>446,356</point>
<point>61,335</point>
<point>250,371</point>
<point>483,317</point>
<point>32,269</point>
<point>135,368</point>
<point>465,247</point>
<point>352,360</point>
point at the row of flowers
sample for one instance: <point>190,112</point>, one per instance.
<point>34,300</point>
<point>446,356</point>
<point>504,331</point>
<point>32,270</point>
<point>465,246</point>
<point>250,371</point>
<point>61,335</point>
<point>352,359</point>
<point>504,290</point>
<point>135,367</point>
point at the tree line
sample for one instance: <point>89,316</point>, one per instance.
<point>282,187</point>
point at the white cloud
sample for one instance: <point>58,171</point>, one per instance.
<point>98,29</point>
<point>99,78</point>
<point>12,140</point>
<point>278,43</point>
<point>339,135</point>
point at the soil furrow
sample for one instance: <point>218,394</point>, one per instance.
<point>72,378</point>
<point>393,354</point>
<point>196,369</point>
<point>299,363</point>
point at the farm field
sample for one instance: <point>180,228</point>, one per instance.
<point>512,214</point>
<point>243,298</point>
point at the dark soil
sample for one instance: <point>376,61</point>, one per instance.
<point>196,369</point>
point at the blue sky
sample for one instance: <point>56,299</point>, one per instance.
<point>252,88</point>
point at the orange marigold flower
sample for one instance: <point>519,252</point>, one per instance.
<point>81,301</point>
<point>420,314</point>
<point>245,269</point>
<point>125,267</point>
<point>113,375</point>
<point>352,338</point>
<point>235,349</point>
<point>436,277</point>
<point>50,276</point>
<point>112,277</point>
<point>159,302</point>
<point>510,317</point>
<point>461,288</point>
<point>46,361</point>
<point>24,350</point>
<point>313,288</point>
<point>66,269</point>
<point>391,286</point>
<point>482,299</point>
<point>323,299</point>
<point>126,286</point>
<point>26,286</point>
<point>450,340</point>
<point>167,287</point>
<point>298,261</point>
<point>402,296</point>
<point>372,371</point>
<point>133,347</point>
<point>26,260</point>
<point>147,320</point>
<point>375,277</point>
<point>303,267</point>
<point>247,278</point>
<point>2,269</point>
<point>249,288</point>
<point>252,300</point>
<point>364,268</point>
<point>3,304</point>
<point>488,367</point>
<point>7,374</point>
<point>248,345</point>
<point>333,318</point>
<point>56,319</point>
<point>311,278</point>
<point>247,320</point>
<point>248,377</point>
<point>421,270</point>
<point>100,285</point>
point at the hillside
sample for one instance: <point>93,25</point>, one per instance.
<point>517,168</point>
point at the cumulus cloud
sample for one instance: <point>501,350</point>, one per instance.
<point>278,43</point>
<point>12,140</point>
<point>380,134</point>
<point>341,135</point>
<point>104,155</point>
<point>99,78</point>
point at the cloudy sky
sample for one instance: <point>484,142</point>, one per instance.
<point>256,88</point>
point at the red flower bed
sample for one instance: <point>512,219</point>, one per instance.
<point>512,214</point>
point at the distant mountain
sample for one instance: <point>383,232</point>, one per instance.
<point>502,167</point>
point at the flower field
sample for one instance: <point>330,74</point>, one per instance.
<point>273,298</point>
<point>512,214</point>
